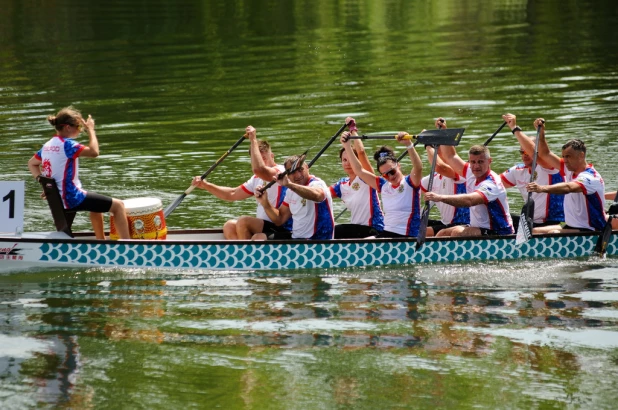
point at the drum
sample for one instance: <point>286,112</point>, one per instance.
<point>146,219</point>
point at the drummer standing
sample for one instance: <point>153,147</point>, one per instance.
<point>58,159</point>
<point>265,169</point>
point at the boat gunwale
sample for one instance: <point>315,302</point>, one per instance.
<point>80,235</point>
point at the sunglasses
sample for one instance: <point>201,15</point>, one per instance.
<point>521,151</point>
<point>390,172</point>
<point>78,126</point>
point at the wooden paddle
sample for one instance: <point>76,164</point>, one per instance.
<point>494,134</point>
<point>526,219</point>
<point>606,233</point>
<point>178,200</point>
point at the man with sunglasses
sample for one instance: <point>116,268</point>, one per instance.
<point>548,208</point>
<point>307,201</point>
<point>485,194</point>
<point>583,187</point>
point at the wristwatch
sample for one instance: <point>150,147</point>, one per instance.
<point>517,128</point>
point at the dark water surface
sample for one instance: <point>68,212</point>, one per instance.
<point>172,85</point>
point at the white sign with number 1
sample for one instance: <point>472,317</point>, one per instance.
<point>12,207</point>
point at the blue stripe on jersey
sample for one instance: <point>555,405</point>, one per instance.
<point>497,218</point>
<point>377,217</point>
<point>555,207</point>
<point>71,147</point>
<point>414,221</point>
<point>462,215</point>
<point>288,224</point>
<point>324,224</point>
<point>72,195</point>
<point>595,211</point>
<point>595,206</point>
<point>337,186</point>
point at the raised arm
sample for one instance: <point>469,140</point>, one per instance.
<point>441,167</point>
<point>546,158</point>
<point>92,150</point>
<point>258,165</point>
<point>416,174</point>
<point>368,177</point>
<point>358,145</point>
<point>448,153</point>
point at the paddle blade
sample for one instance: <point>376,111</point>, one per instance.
<point>443,136</point>
<point>174,205</point>
<point>603,240</point>
<point>422,230</point>
<point>524,231</point>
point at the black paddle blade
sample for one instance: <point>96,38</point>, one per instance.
<point>174,205</point>
<point>603,240</point>
<point>526,222</point>
<point>443,136</point>
<point>422,230</point>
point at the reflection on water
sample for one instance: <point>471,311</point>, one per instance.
<point>419,325</point>
<point>172,85</point>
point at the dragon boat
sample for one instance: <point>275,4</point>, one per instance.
<point>154,247</point>
<point>206,249</point>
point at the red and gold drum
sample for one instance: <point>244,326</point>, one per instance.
<point>146,219</point>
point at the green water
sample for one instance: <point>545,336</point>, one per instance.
<point>172,85</point>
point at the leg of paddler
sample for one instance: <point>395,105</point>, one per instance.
<point>467,231</point>
<point>120,219</point>
<point>229,230</point>
<point>452,231</point>
<point>259,237</point>
<point>247,226</point>
<point>546,229</point>
<point>96,219</point>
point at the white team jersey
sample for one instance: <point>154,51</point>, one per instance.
<point>311,220</point>
<point>547,207</point>
<point>494,214</point>
<point>362,201</point>
<point>401,206</point>
<point>448,186</point>
<point>584,209</point>
<point>276,193</point>
<point>59,157</point>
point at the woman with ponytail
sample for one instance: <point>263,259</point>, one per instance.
<point>400,193</point>
<point>58,159</point>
